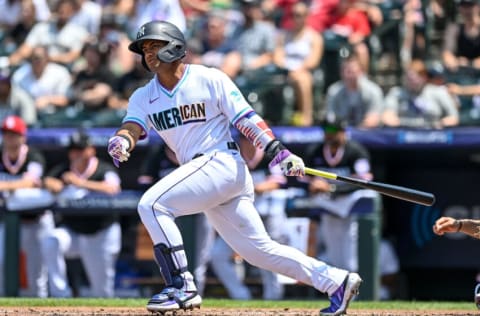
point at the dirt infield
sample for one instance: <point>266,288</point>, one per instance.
<point>114,311</point>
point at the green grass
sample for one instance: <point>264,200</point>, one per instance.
<point>411,305</point>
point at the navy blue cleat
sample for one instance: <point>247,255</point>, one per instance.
<point>340,299</point>
<point>172,299</point>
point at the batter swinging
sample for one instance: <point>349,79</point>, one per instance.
<point>191,108</point>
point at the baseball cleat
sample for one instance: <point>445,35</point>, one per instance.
<point>477,295</point>
<point>340,299</point>
<point>171,299</point>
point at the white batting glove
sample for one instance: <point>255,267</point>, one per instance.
<point>291,164</point>
<point>118,149</point>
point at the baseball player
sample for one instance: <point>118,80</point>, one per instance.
<point>21,172</point>
<point>346,157</point>
<point>95,238</point>
<point>191,108</point>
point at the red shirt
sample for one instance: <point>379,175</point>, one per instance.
<point>352,21</point>
<point>322,14</point>
<point>286,21</point>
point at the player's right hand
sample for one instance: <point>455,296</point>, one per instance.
<point>118,149</point>
<point>445,225</point>
<point>291,164</point>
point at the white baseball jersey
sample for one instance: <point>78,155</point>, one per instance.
<point>191,118</point>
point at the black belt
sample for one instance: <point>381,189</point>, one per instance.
<point>230,145</point>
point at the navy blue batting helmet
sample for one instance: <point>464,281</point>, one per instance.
<point>161,31</point>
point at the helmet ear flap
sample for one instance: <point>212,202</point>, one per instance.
<point>171,52</point>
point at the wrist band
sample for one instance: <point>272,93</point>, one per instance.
<point>128,140</point>
<point>460,225</point>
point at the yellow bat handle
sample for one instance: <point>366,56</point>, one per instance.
<point>324,174</point>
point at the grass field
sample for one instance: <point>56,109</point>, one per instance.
<point>225,307</point>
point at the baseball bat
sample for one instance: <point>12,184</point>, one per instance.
<point>403,193</point>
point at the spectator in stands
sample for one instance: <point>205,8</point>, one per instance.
<point>300,51</point>
<point>443,12</point>
<point>280,12</point>
<point>139,12</point>
<point>11,11</point>
<point>414,41</point>
<point>270,201</point>
<point>251,65</point>
<point>16,34</point>
<point>93,85</point>
<point>418,103</point>
<point>15,100</point>
<point>344,22</point>
<point>355,98</point>
<point>468,96</point>
<point>126,84</point>
<point>461,48</point>
<point>321,14</point>
<point>21,172</point>
<point>120,60</point>
<point>88,15</point>
<point>45,81</point>
<point>346,157</point>
<point>63,38</point>
<point>255,42</point>
<point>195,10</point>
<point>212,44</point>
<point>96,239</point>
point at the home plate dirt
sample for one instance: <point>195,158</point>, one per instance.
<point>113,311</point>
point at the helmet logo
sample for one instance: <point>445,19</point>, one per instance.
<point>141,32</point>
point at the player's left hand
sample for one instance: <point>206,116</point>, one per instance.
<point>291,164</point>
<point>118,149</point>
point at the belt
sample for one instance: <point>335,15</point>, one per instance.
<point>230,146</point>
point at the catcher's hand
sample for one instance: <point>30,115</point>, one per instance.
<point>291,164</point>
<point>446,225</point>
<point>118,149</point>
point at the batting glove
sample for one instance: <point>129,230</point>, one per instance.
<point>291,164</point>
<point>118,149</point>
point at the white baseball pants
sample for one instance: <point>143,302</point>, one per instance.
<point>219,184</point>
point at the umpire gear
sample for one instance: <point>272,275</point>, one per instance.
<point>161,31</point>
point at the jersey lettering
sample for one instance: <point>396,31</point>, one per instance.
<point>184,114</point>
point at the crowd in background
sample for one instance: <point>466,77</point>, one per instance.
<point>369,64</point>
<point>66,62</point>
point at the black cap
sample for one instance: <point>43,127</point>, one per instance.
<point>332,123</point>
<point>79,140</point>
<point>435,70</point>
